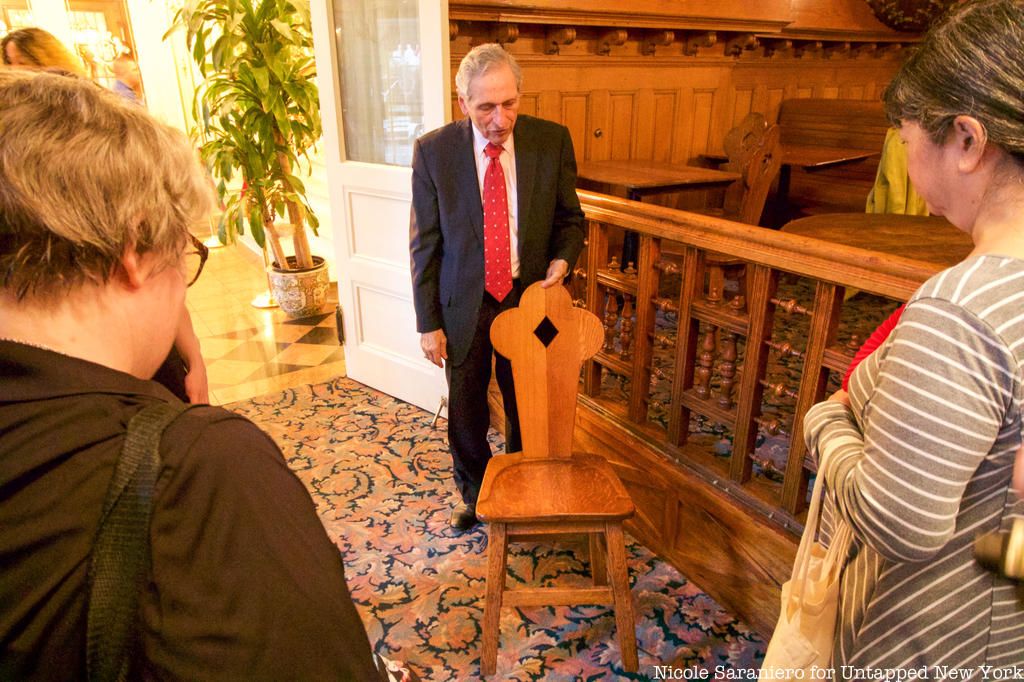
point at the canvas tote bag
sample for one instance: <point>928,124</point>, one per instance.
<point>806,628</point>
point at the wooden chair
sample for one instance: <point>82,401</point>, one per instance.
<point>547,489</point>
<point>753,151</point>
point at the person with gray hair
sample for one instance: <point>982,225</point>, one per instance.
<point>918,457</point>
<point>96,202</point>
<point>494,209</point>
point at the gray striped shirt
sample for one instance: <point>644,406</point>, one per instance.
<point>919,466</point>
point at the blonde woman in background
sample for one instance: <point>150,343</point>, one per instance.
<point>34,48</point>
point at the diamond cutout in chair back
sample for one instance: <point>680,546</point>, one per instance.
<point>546,331</point>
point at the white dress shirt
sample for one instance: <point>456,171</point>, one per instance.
<point>508,166</point>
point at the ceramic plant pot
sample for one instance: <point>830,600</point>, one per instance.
<point>300,293</point>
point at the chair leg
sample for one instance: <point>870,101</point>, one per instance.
<point>598,565</point>
<point>497,558</point>
<point>619,574</point>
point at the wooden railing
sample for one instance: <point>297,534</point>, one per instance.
<point>722,336</point>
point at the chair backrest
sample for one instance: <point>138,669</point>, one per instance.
<point>760,173</point>
<point>546,339</point>
<point>844,123</point>
<point>753,151</point>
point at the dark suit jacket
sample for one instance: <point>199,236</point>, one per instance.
<point>446,230</point>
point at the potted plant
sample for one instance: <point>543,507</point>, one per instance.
<point>257,113</point>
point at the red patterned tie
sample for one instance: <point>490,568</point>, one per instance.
<point>497,252</point>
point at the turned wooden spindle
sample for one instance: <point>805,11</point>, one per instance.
<point>613,264</point>
<point>784,348</point>
<point>768,467</point>
<point>727,369</point>
<point>779,389</point>
<point>664,341</point>
<point>629,270</point>
<point>580,273</point>
<point>790,306</point>
<point>705,361</point>
<point>854,342</point>
<point>738,303</point>
<point>665,305</point>
<point>626,328</point>
<point>714,296</point>
<point>667,267</point>
<point>771,426</point>
<point>611,316</point>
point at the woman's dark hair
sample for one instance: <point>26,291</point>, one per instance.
<point>970,63</point>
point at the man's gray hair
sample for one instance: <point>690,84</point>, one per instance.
<point>479,61</point>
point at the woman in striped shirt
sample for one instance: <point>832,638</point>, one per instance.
<point>918,456</point>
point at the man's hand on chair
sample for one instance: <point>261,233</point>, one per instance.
<point>557,271</point>
<point>435,346</point>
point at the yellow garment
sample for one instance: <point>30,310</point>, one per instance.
<point>892,192</point>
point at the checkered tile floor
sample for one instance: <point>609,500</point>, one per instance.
<point>251,351</point>
<point>247,355</point>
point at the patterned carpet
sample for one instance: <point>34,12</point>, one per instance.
<point>380,476</point>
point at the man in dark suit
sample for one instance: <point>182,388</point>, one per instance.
<point>470,263</point>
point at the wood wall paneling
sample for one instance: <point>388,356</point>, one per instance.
<point>620,124</point>
<point>701,123</point>
<point>644,109</point>
<point>574,115</point>
<point>665,105</point>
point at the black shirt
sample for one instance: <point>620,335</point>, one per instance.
<point>245,582</point>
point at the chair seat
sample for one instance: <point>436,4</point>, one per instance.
<point>581,488</point>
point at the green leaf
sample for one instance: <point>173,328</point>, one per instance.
<point>256,225</point>
<point>199,49</point>
<point>296,184</point>
<point>262,78</point>
<point>217,54</point>
<point>222,229</point>
<point>283,28</point>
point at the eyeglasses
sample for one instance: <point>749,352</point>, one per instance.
<point>195,260</point>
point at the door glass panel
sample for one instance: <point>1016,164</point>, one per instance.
<point>14,14</point>
<point>381,96</point>
<point>103,39</point>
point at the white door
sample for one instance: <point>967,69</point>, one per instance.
<point>383,71</point>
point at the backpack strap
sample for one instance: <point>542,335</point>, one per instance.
<point>120,554</point>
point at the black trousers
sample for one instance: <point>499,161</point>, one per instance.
<point>468,414</point>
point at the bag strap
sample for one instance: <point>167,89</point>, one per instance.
<point>839,545</point>
<point>120,553</point>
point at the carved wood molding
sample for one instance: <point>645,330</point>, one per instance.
<point>654,39</point>
<point>505,33</point>
<point>627,18</point>
<point>736,44</point>
<point>610,38</point>
<point>777,47</point>
<point>558,36</point>
<point>698,40</point>
<point>533,38</point>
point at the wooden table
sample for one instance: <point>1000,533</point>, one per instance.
<point>643,178</point>
<point>809,157</point>
<point>931,239</point>
<point>636,179</point>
